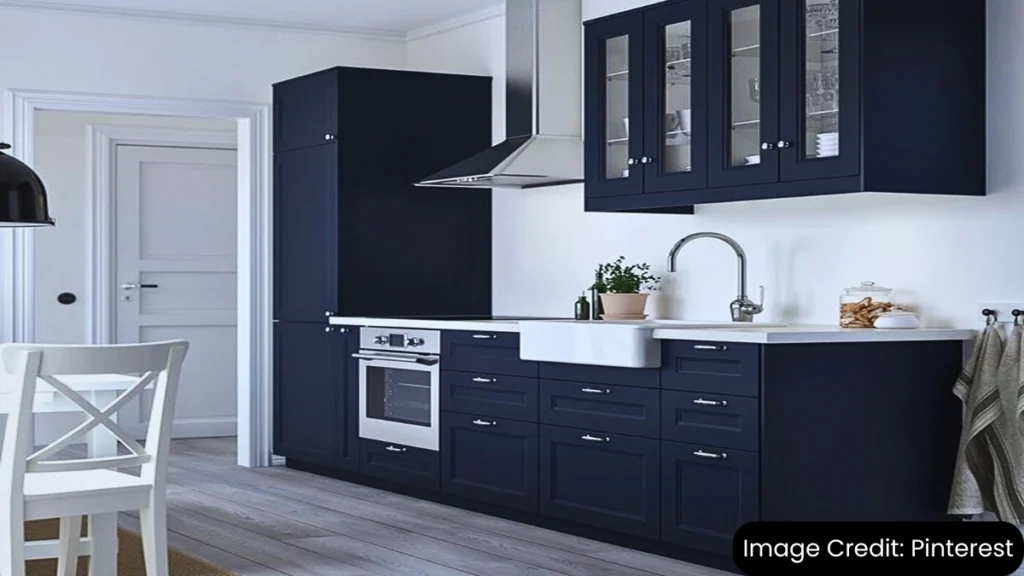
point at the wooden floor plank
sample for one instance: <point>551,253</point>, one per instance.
<point>290,523</point>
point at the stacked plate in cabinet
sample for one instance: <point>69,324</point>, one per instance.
<point>828,144</point>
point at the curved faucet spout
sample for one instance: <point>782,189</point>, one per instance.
<point>742,309</point>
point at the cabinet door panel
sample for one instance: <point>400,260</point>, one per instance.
<point>603,480</point>
<point>820,76</point>
<point>400,464</point>
<point>306,234</point>
<point>488,394</point>
<point>614,107</point>
<point>707,494</point>
<point>743,67</point>
<point>675,95</point>
<point>305,393</point>
<point>617,409</point>
<point>486,352</point>
<point>492,460</point>
<point>306,111</point>
<point>345,371</point>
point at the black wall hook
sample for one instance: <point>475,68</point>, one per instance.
<point>990,316</point>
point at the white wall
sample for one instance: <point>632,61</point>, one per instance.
<point>946,254</point>
<point>142,57</point>
<point>60,252</point>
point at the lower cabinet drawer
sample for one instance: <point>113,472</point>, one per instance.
<point>489,394</point>
<point>711,419</point>
<point>399,464</point>
<point>609,481</point>
<point>707,494</point>
<point>490,460</point>
<point>618,409</point>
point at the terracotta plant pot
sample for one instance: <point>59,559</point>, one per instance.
<point>624,304</point>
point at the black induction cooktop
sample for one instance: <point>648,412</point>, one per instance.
<point>479,317</point>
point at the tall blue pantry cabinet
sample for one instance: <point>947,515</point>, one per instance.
<point>352,236</point>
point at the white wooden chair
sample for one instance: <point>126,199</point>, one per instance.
<point>33,486</point>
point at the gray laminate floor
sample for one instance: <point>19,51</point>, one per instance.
<point>277,522</point>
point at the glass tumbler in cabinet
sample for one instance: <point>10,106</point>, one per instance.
<point>860,306</point>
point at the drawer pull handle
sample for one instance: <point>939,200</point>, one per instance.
<point>394,449</point>
<point>484,380</point>
<point>595,391</point>
<point>703,454</point>
<point>484,423</point>
<point>716,348</point>
<point>590,438</point>
<point>704,402</point>
<point>484,336</point>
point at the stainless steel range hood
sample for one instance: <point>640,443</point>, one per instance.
<point>543,146</point>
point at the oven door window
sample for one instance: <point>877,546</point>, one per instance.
<point>398,395</point>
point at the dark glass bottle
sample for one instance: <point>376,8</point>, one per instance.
<point>582,308</point>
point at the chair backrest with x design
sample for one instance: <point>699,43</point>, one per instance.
<point>24,365</point>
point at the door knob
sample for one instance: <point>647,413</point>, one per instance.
<point>646,160</point>
<point>784,144</point>
<point>767,146</point>
<point>631,161</point>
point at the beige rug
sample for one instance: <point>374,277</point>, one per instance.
<point>130,560</point>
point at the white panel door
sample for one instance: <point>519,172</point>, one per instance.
<point>175,273</point>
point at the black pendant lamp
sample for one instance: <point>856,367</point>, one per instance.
<point>22,194</point>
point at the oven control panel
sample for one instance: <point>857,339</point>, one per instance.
<point>419,341</point>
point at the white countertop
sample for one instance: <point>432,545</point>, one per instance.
<point>762,335</point>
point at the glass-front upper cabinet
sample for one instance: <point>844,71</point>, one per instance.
<point>744,63</point>
<point>675,131</point>
<point>614,106</point>
<point>820,106</point>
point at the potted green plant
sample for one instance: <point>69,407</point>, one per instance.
<point>621,288</point>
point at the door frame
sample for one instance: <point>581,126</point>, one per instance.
<point>101,254</point>
<point>17,249</point>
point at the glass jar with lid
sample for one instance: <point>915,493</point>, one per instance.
<point>859,306</point>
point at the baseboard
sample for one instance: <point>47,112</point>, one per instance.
<point>193,428</point>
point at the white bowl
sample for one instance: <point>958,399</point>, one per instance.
<point>897,320</point>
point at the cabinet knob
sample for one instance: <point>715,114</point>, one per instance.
<point>784,144</point>
<point>328,329</point>
<point>327,313</point>
<point>646,160</point>
<point>767,146</point>
<point>328,136</point>
<point>631,161</point>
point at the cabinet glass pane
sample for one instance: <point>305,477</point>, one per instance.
<point>617,107</point>
<point>821,77</point>
<point>745,100</point>
<point>676,151</point>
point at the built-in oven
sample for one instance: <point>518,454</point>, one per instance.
<point>400,386</point>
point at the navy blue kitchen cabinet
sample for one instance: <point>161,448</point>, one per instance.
<point>484,352</point>
<point>306,111</point>
<point>489,459</point>
<point>489,394</point>
<point>707,494</point>
<point>316,394</point>
<point>703,101</point>
<point>305,223</point>
<point>352,235</point>
<point>400,464</point>
<point>600,479</point>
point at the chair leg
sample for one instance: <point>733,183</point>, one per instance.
<point>153,522</point>
<point>12,544</point>
<point>70,537</point>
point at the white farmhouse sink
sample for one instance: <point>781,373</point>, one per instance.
<point>625,344</point>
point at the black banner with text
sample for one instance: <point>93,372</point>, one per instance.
<point>813,548</point>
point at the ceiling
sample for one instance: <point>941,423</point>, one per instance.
<point>386,18</point>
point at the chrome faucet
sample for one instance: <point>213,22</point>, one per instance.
<point>742,308</point>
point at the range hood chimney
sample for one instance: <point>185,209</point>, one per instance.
<point>543,144</point>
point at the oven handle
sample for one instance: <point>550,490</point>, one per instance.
<point>423,360</point>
